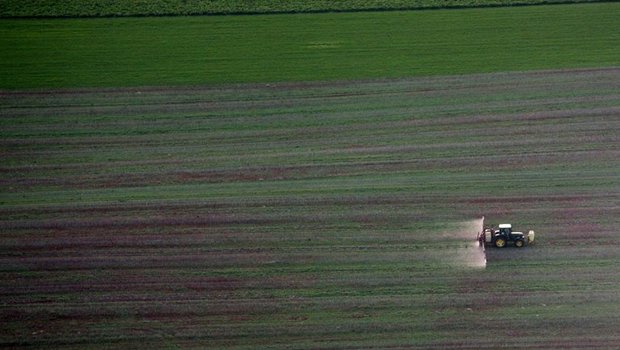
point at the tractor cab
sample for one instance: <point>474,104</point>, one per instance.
<point>505,230</point>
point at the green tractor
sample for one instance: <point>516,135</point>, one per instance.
<point>504,236</point>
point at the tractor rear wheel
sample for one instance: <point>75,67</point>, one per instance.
<point>500,243</point>
<point>519,243</point>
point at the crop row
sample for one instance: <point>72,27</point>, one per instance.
<point>94,8</point>
<point>312,216</point>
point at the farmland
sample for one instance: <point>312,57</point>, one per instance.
<point>312,215</point>
<point>295,182</point>
<point>116,8</point>
<point>181,51</point>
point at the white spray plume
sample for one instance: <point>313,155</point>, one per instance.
<point>470,254</point>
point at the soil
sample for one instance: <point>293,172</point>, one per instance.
<point>330,215</point>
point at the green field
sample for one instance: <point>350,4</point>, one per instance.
<point>310,181</point>
<point>331,215</point>
<point>94,8</point>
<point>270,48</point>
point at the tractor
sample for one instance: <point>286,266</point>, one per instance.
<point>503,236</point>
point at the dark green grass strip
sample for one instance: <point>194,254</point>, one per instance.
<point>116,8</point>
<point>214,50</point>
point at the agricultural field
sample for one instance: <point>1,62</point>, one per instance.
<point>116,8</point>
<point>313,215</point>
<point>177,183</point>
<point>181,51</point>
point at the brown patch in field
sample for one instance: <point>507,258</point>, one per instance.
<point>299,318</point>
<point>240,318</point>
<point>136,223</point>
<point>525,199</point>
<point>215,283</point>
<point>359,315</point>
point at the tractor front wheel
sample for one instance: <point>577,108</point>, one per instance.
<point>500,243</point>
<point>519,243</point>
